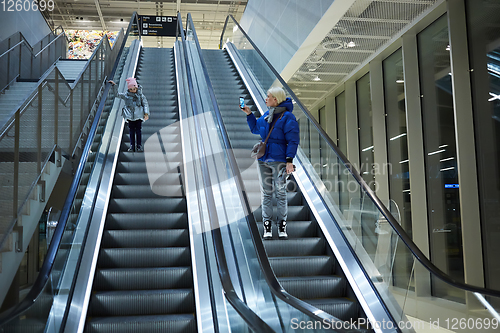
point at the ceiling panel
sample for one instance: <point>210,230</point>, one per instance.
<point>208,16</point>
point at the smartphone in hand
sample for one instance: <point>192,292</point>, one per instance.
<point>242,102</point>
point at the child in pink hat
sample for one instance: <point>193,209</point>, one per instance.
<point>135,111</point>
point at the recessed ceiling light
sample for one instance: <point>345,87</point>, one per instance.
<point>317,78</point>
<point>351,44</point>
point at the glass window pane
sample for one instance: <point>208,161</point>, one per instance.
<point>443,202</point>
<point>397,154</point>
<point>341,122</point>
<point>484,31</point>
<point>365,122</point>
<point>343,178</point>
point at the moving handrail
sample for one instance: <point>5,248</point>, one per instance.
<point>417,253</point>
<point>270,277</point>
<point>48,263</point>
<point>252,320</point>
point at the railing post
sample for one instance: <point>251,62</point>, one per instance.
<point>39,132</point>
<point>56,106</point>
<point>71,120</point>
<point>82,83</point>
<point>31,66</point>
<point>16,165</point>
<point>41,57</point>
<point>90,86</point>
<point>8,62</point>
<point>20,58</point>
<point>103,54</point>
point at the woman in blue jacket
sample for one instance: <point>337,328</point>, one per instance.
<point>280,150</point>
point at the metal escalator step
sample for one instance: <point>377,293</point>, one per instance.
<point>141,302</point>
<point>144,257</point>
<point>174,161</point>
<point>25,325</point>
<point>149,205</point>
<point>295,247</point>
<point>164,178</point>
<point>312,287</point>
<point>342,308</point>
<point>154,155</point>
<point>302,266</point>
<point>145,238</point>
<point>146,191</point>
<point>185,323</point>
<point>143,278</point>
<point>146,221</point>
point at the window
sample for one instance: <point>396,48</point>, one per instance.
<point>440,154</point>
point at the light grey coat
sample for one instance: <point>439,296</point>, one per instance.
<point>136,104</point>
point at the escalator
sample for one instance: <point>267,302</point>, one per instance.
<point>303,264</point>
<point>143,280</point>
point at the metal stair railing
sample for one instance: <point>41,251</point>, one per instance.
<point>50,124</point>
<point>48,279</point>
<point>31,63</point>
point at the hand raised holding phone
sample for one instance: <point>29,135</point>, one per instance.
<point>244,108</point>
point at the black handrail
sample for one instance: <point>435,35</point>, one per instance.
<point>48,263</point>
<point>252,320</point>
<point>419,255</point>
<point>269,275</point>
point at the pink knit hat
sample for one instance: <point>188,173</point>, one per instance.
<point>131,82</point>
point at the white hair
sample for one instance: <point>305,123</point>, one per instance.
<point>278,93</point>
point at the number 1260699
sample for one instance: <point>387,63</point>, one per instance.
<point>27,5</point>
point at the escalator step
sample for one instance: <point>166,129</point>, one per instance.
<point>167,178</point>
<point>314,286</point>
<point>145,191</point>
<point>149,221</point>
<point>144,257</point>
<point>149,205</point>
<point>342,308</point>
<point>302,266</point>
<point>141,302</point>
<point>143,324</point>
<point>145,238</point>
<point>295,247</point>
<point>141,167</point>
<point>144,278</point>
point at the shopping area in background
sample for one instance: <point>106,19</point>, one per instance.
<point>83,42</point>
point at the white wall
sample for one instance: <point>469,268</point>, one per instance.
<point>31,24</point>
<point>279,27</point>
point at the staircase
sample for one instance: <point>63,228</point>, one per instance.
<point>12,97</point>
<point>71,68</point>
<point>143,282</point>
<point>304,264</point>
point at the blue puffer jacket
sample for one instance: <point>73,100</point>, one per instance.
<point>284,140</point>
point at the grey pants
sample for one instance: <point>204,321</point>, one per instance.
<point>268,173</point>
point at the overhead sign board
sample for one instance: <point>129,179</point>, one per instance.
<point>158,25</point>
